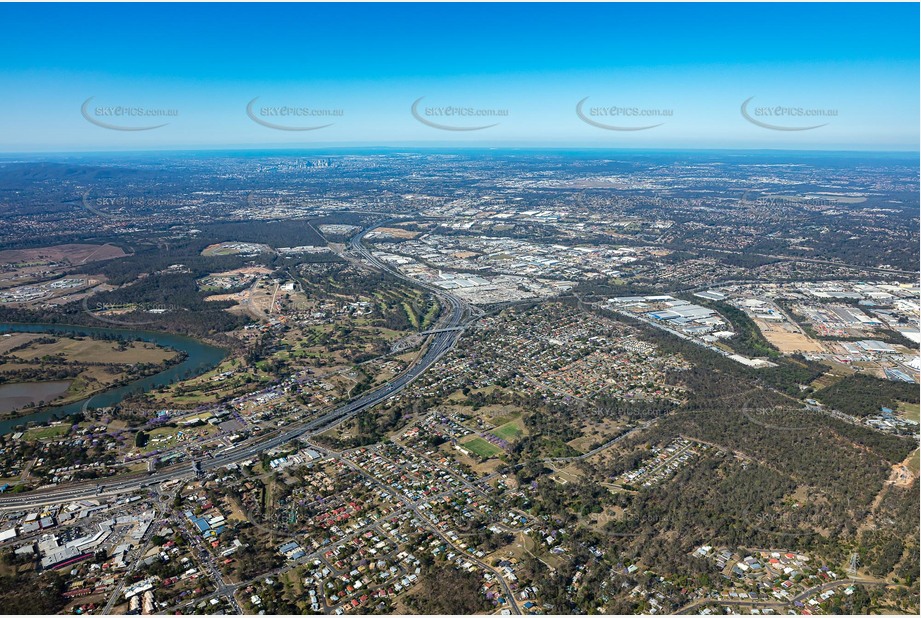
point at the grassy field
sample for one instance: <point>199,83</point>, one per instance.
<point>499,415</point>
<point>96,351</point>
<point>481,447</point>
<point>429,318</point>
<point>509,431</point>
<point>43,433</point>
<point>909,410</point>
<point>914,464</point>
<point>205,389</point>
<point>411,314</point>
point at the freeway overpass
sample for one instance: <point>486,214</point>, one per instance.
<point>444,336</point>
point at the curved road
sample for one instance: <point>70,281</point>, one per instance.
<point>440,344</point>
<point>778,604</point>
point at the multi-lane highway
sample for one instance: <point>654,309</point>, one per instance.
<point>448,330</point>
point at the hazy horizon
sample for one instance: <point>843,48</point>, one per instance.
<point>749,76</point>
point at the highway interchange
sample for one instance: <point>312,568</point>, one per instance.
<point>457,315</point>
<point>444,337</point>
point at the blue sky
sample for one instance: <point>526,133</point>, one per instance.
<point>852,68</point>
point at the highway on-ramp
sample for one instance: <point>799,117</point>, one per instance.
<point>440,343</point>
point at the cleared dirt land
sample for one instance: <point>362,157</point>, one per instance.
<point>786,340</point>
<point>27,266</point>
<point>392,232</point>
<point>73,254</point>
<point>234,248</point>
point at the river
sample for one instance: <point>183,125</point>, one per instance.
<point>200,357</point>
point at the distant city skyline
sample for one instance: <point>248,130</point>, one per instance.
<point>626,76</point>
